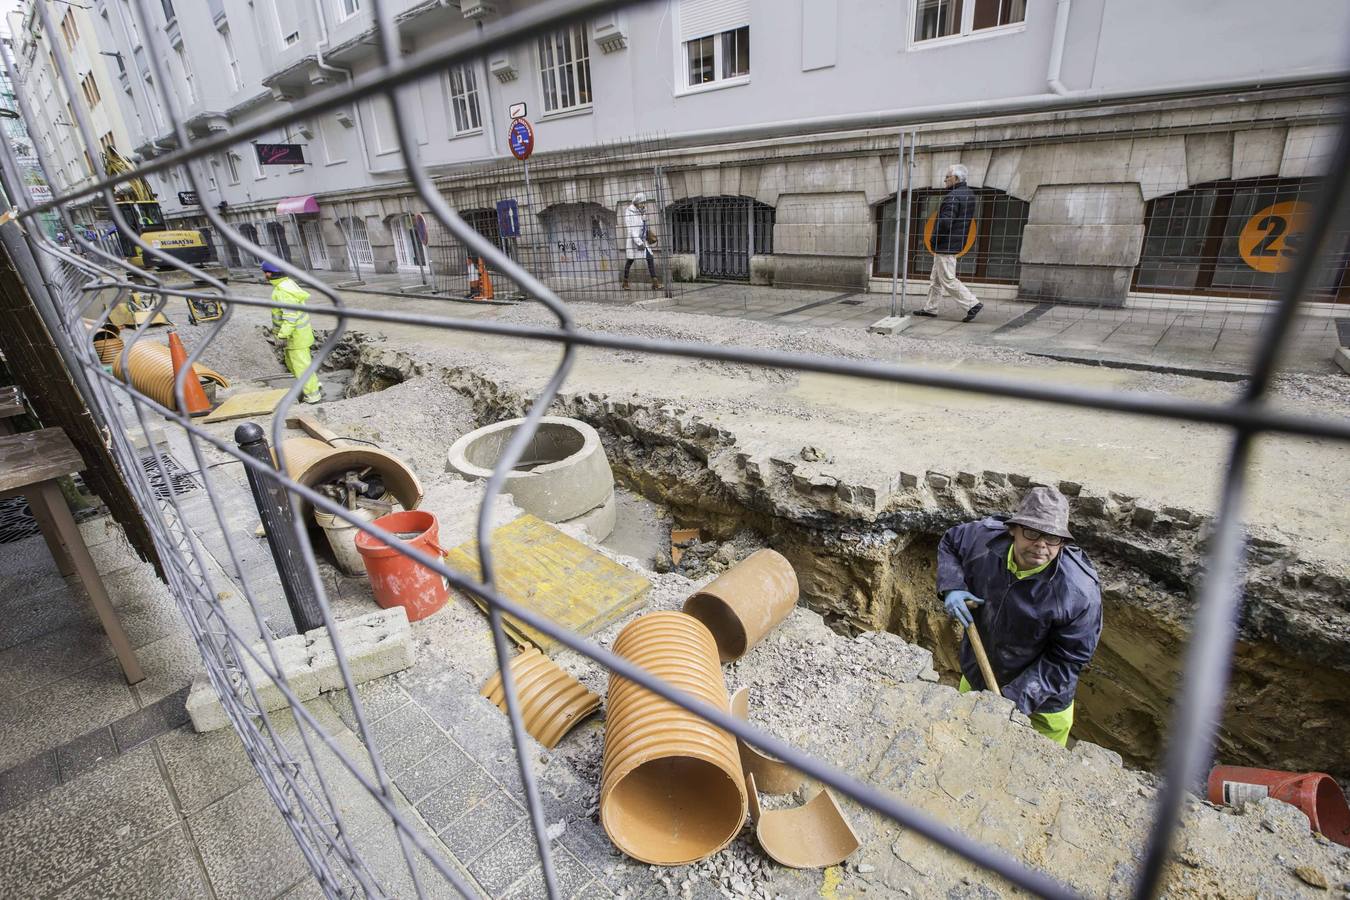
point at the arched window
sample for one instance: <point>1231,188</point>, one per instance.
<point>722,233</point>
<point>581,236</point>
<point>992,249</point>
<point>358,241</point>
<point>1233,239</point>
<point>408,249</point>
<point>276,240</point>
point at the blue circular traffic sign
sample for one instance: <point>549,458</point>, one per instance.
<point>521,139</point>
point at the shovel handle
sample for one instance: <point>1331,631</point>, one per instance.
<point>986,670</point>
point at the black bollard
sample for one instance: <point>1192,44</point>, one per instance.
<point>275,508</point>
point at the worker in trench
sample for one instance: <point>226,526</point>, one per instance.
<point>1036,601</point>
<point>290,328</point>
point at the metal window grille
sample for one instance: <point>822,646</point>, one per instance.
<point>464,98</point>
<point>60,279</point>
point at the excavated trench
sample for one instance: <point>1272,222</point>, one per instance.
<point>865,559</point>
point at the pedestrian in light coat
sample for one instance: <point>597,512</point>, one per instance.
<point>1036,603</point>
<point>637,240</point>
<point>291,327</point>
<point>950,231</point>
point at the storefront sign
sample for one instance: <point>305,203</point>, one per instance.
<point>521,139</point>
<point>188,198</point>
<point>40,193</point>
<point>1272,238</point>
<point>280,154</point>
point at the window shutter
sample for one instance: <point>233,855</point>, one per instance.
<point>700,18</point>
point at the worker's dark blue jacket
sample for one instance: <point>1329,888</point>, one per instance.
<point>1038,632</point>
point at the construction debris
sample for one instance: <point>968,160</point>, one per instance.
<point>810,836</point>
<point>552,702</point>
<point>771,774</point>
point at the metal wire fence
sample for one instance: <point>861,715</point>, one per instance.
<point>722,237</point>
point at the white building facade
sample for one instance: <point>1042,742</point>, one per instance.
<point>1175,129</point>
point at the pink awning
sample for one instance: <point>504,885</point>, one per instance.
<point>297,206</point>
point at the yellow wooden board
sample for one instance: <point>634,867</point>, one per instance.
<point>249,403</point>
<point>540,567</point>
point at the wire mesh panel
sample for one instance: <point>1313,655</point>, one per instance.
<point>587,225</point>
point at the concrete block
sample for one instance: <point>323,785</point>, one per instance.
<point>1209,157</point>
<point>1082,245</point>
<point>1258,153</point>
<point>1307,151</point>
<point>375,645</point>
<point>891,325</point>
<point>762,270</point>
<point>1095,286</point>
<point>823,239</point>
<point>140,440</point>
<point>1087,204</point>
<point>683,267</point>
<point>1342,358</point>
<point>837,272</point>
<point>1159,165</point>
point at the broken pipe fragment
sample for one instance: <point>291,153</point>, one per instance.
<point>552,702</point>
<point>811,836</point>
<point>772,775</point>
<point>746,602</point>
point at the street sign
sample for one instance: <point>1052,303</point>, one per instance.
<point>280,154</point>
<point>521,139</point>
<point>516,111</point>
<point>508,218</point>
<point>420,226</point>
<point>40,193</point>
<point>188,198</point>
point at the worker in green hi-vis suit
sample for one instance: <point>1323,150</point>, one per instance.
<point>292,326</point>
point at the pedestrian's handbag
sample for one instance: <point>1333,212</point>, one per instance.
<point>650,237</point>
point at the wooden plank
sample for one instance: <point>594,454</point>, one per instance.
<point>312,428</point>
<point>249,403</point>
<point>11,402</point>
<point>36,456</point>
<point>540,567</point>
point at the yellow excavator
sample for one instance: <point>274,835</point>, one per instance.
<point>138,205</point>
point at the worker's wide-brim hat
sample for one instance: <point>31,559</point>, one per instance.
<point>1044,509</point>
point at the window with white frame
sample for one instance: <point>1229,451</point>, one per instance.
<point>464,99</point>
<point>935,19</point>
<point>190,87</point>
<point>152,100</point>
<point>130,21</point>
<point>386,135</point>
<point>231,59</point>
<point>715,41</point>
<point>331,156</point>
<point>565,69</point>
<point>408,251</point>
<point>287,13</point>
<point>358,241</point>
<point>258,171</point>
<point>347,8</point>
<point>232,165</point>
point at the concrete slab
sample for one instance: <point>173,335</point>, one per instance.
<point>58,712</point>
<point>203,767</point>
<point>28,779</point>
<point>1342,359</point>
<point>84,826</point>
<point>480,825</point>
<point>163,868</point>
<point>85,752</point>
<point>170,664</point>
<point>53,656</point>
<point>447,804</point>
<point>245,845</point>
<point>419,780</point>
<point>891,325</point>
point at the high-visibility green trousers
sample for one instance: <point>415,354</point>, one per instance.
<point>297,360</point>
<point>1053,725</point>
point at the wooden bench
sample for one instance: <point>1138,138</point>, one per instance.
<point>30,464</point>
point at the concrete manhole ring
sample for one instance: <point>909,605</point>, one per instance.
<point>562,474</point>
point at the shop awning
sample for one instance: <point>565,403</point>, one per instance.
<point>298,206</point>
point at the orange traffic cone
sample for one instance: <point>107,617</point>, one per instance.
<point>193,395</point>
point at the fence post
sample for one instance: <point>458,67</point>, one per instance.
<point>661,211</point>
<point>909,190</point>
<point>895,247</point>
<point>274,506</point>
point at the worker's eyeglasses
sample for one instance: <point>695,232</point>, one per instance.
<point>1032,535</point>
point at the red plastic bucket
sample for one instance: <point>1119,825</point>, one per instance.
<point>1316,794</point>
<point>398,580</point>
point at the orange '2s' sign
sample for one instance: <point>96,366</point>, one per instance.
<point>1273,236</point>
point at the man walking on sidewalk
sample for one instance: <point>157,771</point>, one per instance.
<point>949,238</point>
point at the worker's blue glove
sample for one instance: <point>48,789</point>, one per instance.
<point>955,601</point>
